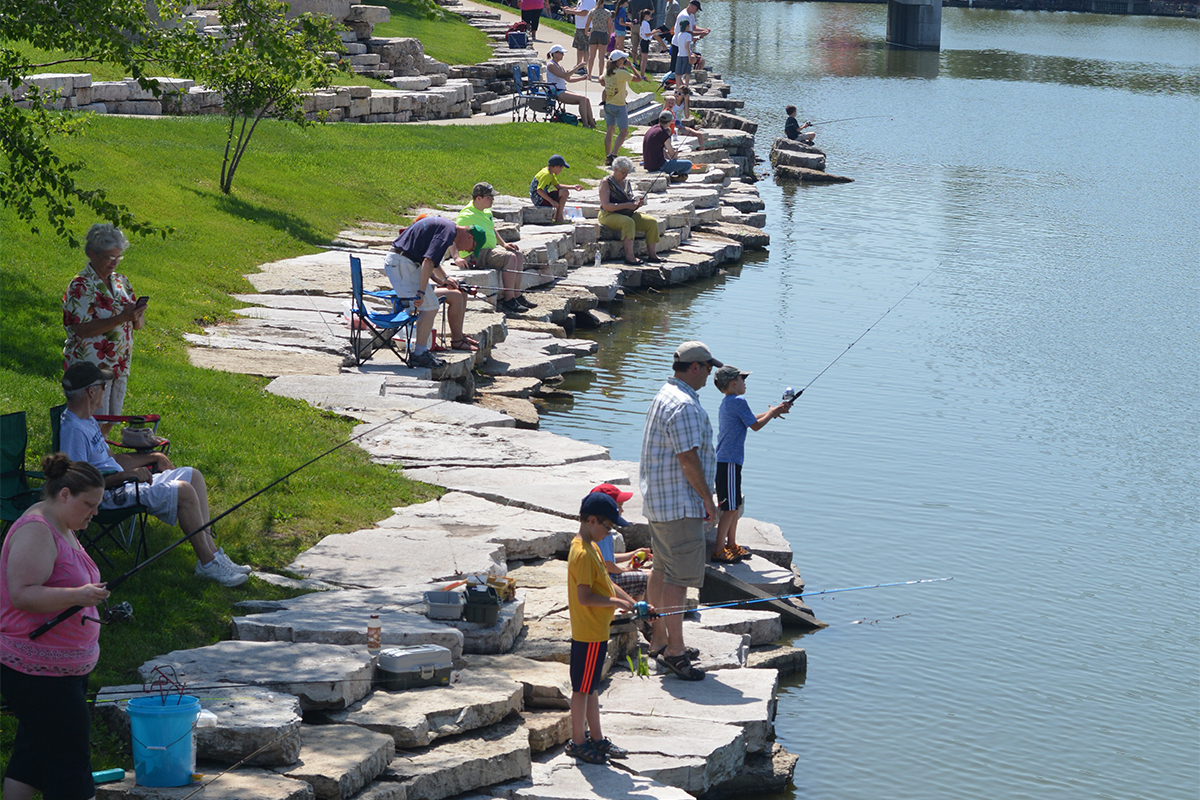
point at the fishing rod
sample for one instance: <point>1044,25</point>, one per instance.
<point>789,396</point>
<point>850,119</point>
<point>644,612</point>
<point>120,579</point>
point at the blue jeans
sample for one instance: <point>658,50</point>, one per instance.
<point>676,166</point>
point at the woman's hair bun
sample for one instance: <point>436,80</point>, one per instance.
<point>56,465</point>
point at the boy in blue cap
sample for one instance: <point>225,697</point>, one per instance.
<point>735,419</point>
<point>592,598</point>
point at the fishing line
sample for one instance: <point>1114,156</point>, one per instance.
<point>703,606</point>
<point>868,330</point>
<point>120,579</point>
<point>850,119</point>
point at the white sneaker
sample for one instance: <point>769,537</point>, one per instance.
<point>216,570</point>
<point>229,562</point>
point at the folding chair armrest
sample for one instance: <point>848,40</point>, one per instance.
<point>127,418</point>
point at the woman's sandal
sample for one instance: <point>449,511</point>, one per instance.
<point>464,344</point>
<point>682,667</point>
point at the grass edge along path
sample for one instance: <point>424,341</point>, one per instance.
<point>296,189</point>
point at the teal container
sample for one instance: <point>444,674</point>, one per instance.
<point>161,728</point>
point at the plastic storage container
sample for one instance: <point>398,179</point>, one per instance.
<point>443,605</point>
<point>400,668</point>
<point>163,736</point>
<point>483,605</point>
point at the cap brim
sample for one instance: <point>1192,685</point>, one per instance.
<point>715,363</point>
<point>620,522</point>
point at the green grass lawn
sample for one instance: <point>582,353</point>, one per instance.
<point>567,26</point>
<point>294,191</point>
<point>450,40</point>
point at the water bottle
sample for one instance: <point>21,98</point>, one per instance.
<point>597,262</point>
<point>374,635</point>
<point>577,214</point>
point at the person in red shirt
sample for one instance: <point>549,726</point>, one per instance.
<point>658,154</point>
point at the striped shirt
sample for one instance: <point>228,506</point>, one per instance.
<point>675,423</point>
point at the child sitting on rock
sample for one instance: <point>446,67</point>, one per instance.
<point>624,569</point>
<point>591,598</point>
<point>792,128</point>
<point>735,418</point>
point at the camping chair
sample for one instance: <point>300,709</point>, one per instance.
<point>15,493</point>
<point>544,98</point>
<point>382,325</point>
<point>126,527</point>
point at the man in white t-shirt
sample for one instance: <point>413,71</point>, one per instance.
<point>688,15</point>
<point>580,40</point>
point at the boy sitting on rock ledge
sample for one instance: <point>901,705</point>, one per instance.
<point>591,598</point>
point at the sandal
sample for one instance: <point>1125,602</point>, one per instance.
<point>655,260</point>
<point>637,262</point>
<point>463,344</point>
<point>682,667</point>
<point>742,553</point>
<point>690,652</point>
<point>723,556</point>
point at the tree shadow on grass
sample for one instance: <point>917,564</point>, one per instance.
<point>38,351</point>
<point>291,224</point>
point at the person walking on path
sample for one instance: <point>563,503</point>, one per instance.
<point>735,418</point>
<point>531,14</point>
<point>678,467</point>
<point>581,11</point>
<point>600,27</point>
<point>591,600</point>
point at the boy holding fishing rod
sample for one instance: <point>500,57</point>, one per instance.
<point>735,418</point>
<point>592,598</point>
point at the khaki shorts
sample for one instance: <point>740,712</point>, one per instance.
<point>580,40</point>
<point>678,548</point>
<point>493,258</point>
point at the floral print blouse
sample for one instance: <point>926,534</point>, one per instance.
<point>88,298</point>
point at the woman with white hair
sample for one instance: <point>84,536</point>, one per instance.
<point>558,77</point>
<point>619,211</point>
<point>101,312</point>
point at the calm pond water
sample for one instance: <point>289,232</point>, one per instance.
<point>1026,421</point>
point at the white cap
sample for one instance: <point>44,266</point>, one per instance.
<point>558,48</point>
<point>617,55</point>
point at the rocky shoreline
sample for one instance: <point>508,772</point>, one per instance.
<point>294,685</point>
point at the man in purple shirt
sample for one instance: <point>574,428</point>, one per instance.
<point>415,266</point>
<point>658,155</point>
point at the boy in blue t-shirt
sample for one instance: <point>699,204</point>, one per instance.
<point>735,417</point>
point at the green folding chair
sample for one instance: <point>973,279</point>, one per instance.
<point>16,495</point>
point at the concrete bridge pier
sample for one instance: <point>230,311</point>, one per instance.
<point>915,23</point>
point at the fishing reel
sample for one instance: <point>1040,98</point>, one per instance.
<point>120,612</point>
<point>641,610</point>
<point>790,395</point>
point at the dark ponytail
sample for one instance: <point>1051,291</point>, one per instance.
<point>63,473</point>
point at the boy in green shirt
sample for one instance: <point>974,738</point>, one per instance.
<point>591,598</point>
<point>545,189</point>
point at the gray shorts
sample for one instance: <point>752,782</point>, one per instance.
<point>678,548</point>
<point>599,37</point>
<point>617,116</point>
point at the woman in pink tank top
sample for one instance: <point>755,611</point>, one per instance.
<point>43,571</point>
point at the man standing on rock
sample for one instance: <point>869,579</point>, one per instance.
<point>678,468</point>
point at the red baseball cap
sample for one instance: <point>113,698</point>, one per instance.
<point>613,492</point>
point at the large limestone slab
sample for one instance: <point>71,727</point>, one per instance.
<point>419,444</point>
<point>265,364</point>
<point>338,760</point>
<point>481,758</point>
<point>743,697</point>
<point>322,676</point>
<point>378,397</point>
<point>547,729</point>
<point>786,659</point>
<point>761,574</point>
<point>717,650</point>
<point>761,773</point>
<point>341,618</point>
<point>692,757</point>
<point>249,719</point>
<point>242,784</point>
<point>415,718</point>
<point>763,627</point>
<point>324,273</point>
<point>525,534</point>
<point>397,557</point>
<point>564,778</point>
<point>546,684</point>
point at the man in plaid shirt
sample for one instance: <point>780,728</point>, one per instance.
<point>678,467</point>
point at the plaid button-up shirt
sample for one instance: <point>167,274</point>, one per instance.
<point>675,423</point>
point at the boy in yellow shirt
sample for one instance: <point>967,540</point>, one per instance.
<point>592,598</point>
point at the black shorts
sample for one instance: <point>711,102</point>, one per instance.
<point>729,486</point>
<point>587,659</point>
<point>531,17</point>
<point>644,44</point>
<point>52,750</point>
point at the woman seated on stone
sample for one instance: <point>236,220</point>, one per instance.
<point>558,77</point>
<point>619,211</point>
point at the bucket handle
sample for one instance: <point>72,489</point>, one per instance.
<point>188,732</point>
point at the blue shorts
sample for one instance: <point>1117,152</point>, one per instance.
<point>587,659</point>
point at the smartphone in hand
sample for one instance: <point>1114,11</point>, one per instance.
<point>142,301</point>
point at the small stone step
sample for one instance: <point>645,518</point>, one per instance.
<point>338,760</point>
<point>450,767</point>
<point>240,784</point>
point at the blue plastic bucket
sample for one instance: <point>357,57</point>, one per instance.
<point>161,728</point>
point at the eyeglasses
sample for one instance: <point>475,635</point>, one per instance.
<point>101,386</point>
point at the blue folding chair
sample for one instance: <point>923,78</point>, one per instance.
<point>544,98</point>
<point>383,325</point>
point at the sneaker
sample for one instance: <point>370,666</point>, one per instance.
<point>229,562</point>
<point>216,570</point>
<point>586,752</point>
<point>609,749</point>
<point>426,359</point>
<point>525,302</point>
<point>511,307</point>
